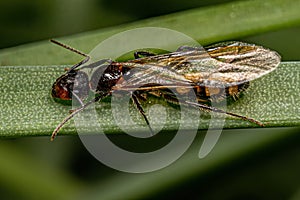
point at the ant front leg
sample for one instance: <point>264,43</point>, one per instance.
<point>140,54</point>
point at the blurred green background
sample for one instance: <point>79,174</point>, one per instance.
<point>28,21</point>
<point>32,20</point>
<point>34,168</point>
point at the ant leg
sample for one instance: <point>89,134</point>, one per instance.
<point>77,98</point>
<point>217,110</point>
<point>138,105</point>
<point>171,99</point>
<point>139,54</point>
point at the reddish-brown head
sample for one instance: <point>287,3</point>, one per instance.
<point>73,82</point>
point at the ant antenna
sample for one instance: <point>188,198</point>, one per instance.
<point>87,57</point>
<point>69,48</point>
<point>74,112</point>
<point>54,133</point>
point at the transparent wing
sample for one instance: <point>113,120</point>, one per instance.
<point>222,65</point>
<point>237,62</point>
<point>151,76</point>
<point>163,70</point>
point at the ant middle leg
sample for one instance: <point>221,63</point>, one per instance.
<point>135,99</point>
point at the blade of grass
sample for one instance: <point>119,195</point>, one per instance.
<point>27,108</point>
<point>207,25</point>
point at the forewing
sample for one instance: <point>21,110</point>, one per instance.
<point>163,70</point>
<point>148,75</point>
<point>220,65</point>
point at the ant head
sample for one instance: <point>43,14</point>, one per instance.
<point>71,83</point>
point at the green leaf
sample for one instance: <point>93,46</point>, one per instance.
<point>27,107</point>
